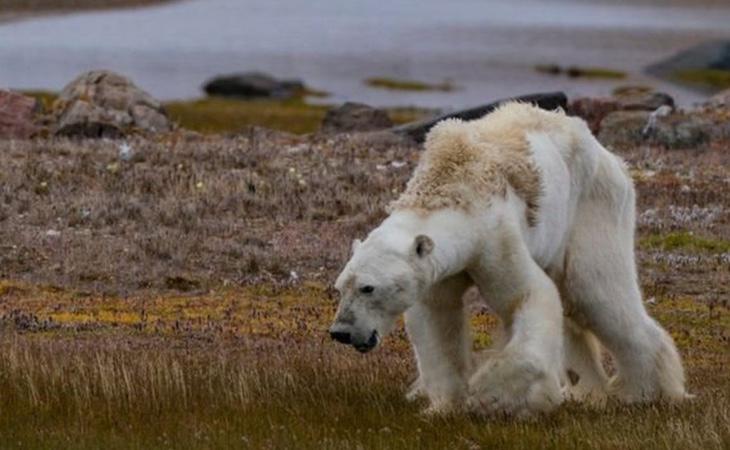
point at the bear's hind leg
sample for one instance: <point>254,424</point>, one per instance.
<point>603,293</point>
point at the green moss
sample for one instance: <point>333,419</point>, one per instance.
<point>594,72</point>
<point>219,115</point>
<point>683,240</point>
<point>719,79</point>
<point>46,98</point>
<point>408,85</point>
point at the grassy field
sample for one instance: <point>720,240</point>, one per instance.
<point>180,299</point>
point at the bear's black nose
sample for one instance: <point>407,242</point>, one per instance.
<point>340,336</point>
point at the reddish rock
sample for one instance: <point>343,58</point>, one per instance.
<point>17,115</point>
<point>593,110</point>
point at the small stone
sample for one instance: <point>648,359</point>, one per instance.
<point>253,85</point>
<point>355,117</point>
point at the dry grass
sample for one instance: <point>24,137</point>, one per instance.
<point>205,210</point>
<point>150,302</point>
<point>253,368</point>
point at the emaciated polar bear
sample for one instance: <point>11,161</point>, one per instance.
<point>528,206</point>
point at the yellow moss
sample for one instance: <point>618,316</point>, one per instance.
<point>715,78</point>
<point>684,240</point>
<point>408,85</point>
<point>219,115</point>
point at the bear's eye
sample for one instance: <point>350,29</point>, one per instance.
<point>367,289</point>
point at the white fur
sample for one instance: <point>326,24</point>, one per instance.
<point>577,260</point>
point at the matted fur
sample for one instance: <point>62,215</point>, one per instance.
<point>466,163</point>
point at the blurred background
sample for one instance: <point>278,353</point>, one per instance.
<point>424,53</point>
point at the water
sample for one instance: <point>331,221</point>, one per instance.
<point>487,47</point>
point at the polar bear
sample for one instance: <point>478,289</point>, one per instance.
<point>528,206</point>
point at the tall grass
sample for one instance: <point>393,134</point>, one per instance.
<point>268,377</point>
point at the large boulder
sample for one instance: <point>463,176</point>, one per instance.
<point>17,115</point>
<point>105,104</point>
<point>355,117</point>
<point>253,85</point>
<point>642,99</point>
<point>639,127</point>
<point>594,109</point>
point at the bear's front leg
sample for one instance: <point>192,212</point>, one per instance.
<point>525,376</point>
<point>439,332</point>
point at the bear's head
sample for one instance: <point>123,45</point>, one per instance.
<point>385,276</point>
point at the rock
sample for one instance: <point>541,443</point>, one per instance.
<point>673,131</point>
<point>685,131</point>
<point>593,110</point>
<point>17,115</point>
<point>721,100</point>
<point>253,85</point>
<point>623,127</point>
<point>417,130</point>
<point>355,117</point>
<point>106,104</point>
<point>644,101</point>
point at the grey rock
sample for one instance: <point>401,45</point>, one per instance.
<point>674,131</point>
<point>644,101</point>
<point>253,85</point>
<point>106,104</point>
<point>355,117</point>
<point>623,127</point>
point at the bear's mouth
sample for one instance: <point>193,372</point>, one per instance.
<point>371,343</point>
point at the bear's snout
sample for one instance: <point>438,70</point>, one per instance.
<point>363,342</point>
<point>340,336</point>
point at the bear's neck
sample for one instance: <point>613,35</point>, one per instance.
<point>453,232</point>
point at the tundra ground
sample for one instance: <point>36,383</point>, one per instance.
<point>174,292</point>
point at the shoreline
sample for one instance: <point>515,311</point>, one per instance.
<point>13,14</point>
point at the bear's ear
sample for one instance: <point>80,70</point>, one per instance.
<point>355,244</point>
<point>422,246</point>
